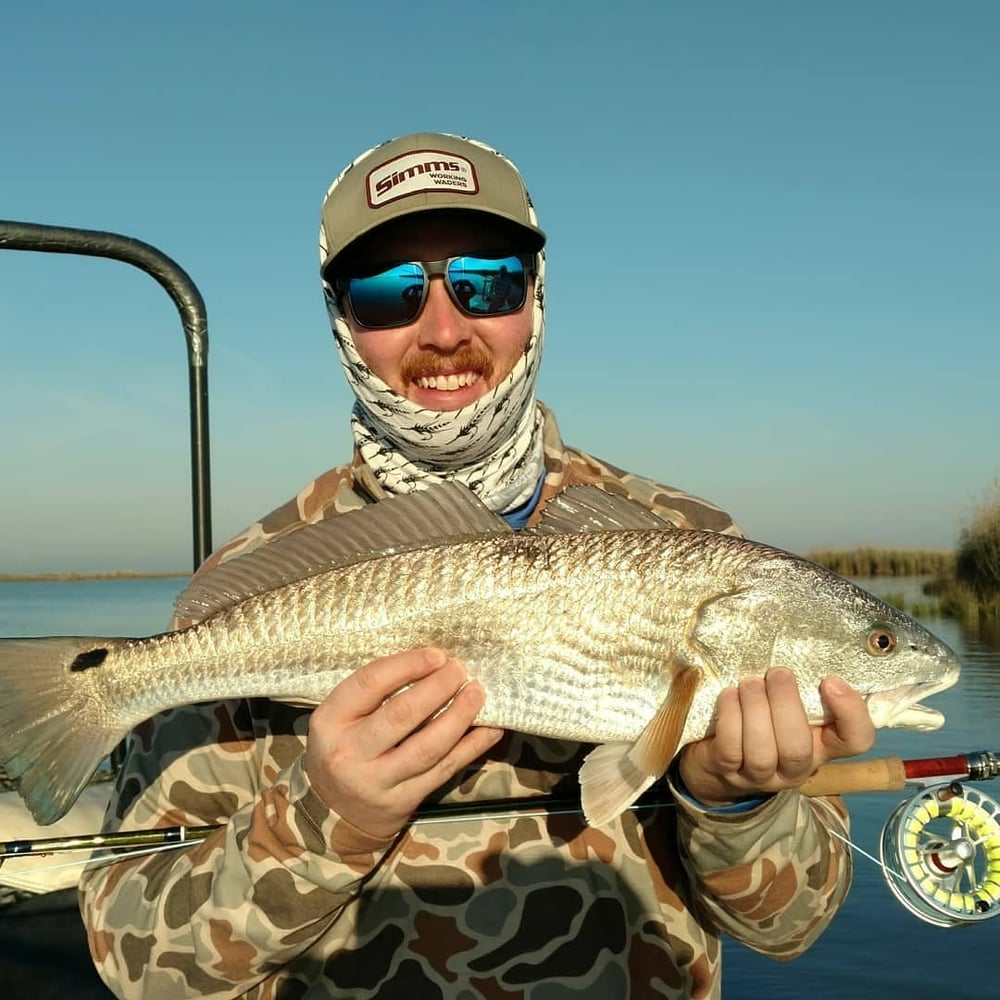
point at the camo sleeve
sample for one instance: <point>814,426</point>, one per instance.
<point>218,917</point>
<point>772,877</point>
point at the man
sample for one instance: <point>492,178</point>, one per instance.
<point>320,884</point>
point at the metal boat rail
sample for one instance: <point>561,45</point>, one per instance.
<point>194,318</point>
<point>44,950</point>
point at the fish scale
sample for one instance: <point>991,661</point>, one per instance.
<point>603,625</point>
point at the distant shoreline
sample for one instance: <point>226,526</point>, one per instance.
<point>71,577</point>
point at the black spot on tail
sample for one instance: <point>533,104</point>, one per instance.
<point>92,658</point>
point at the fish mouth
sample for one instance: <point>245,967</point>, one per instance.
<point>901,708</point>
<point>917,717</point>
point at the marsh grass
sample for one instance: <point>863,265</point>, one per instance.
<point>964,584</point>
<point>972,592</point>
<point>957,600</point>
<point>886,562</point>
<point>977,562</point>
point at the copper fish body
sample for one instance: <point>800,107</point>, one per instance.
<point>605,625</point>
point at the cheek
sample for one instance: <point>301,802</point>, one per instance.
<point>510,340</point>
<point>381,351</point>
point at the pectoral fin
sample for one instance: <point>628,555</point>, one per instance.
<point>614,775</point>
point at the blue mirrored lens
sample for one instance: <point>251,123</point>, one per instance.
<point>390,298</point>
<point>486,286</point>
<point>481,286</point>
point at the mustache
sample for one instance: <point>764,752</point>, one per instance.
<point>429,363</point>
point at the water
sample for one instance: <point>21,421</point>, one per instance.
<point>88,607</point>
<point>872,949</point>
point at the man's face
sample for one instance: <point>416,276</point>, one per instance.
<point>444,359</point>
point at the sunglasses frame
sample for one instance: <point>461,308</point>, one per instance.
<point>430,268</point>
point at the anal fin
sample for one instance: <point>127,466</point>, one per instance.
<point>614,775</point>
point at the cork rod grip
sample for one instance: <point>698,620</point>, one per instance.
<point>882,774</point>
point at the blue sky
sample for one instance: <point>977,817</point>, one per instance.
<point>774,243</point>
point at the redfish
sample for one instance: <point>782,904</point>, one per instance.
<point>605,625</point>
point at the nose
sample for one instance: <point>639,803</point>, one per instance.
<point>441,325</point>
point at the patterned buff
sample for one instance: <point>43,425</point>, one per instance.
<point>493,446</point>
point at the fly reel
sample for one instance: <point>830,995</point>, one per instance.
<point>940,854</point>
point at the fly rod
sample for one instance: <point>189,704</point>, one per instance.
<point>882,774</point>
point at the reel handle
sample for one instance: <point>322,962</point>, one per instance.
<point>881,774</point>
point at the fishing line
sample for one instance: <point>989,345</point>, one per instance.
<point>886,870</point>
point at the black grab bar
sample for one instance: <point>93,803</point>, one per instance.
<point>190,305</point>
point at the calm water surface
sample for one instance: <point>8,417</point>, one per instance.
<point>874,948</point>
<point>88,607</point>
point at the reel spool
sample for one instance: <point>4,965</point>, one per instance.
<point>940,855</point>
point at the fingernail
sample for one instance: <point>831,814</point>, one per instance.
<point>835,685</point>
<point>435,657</point>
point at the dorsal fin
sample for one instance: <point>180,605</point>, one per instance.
<point>589,508</point>
<point>445,512</point>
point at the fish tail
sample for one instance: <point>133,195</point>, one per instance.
<point>54,728</point>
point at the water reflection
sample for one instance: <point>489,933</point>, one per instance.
<point>983,638</point>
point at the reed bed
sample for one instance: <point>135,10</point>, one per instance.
<point>964,584</point>
<point>973,591</point>
<point>886,562</point>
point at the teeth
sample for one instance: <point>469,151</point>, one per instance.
<point>448,382</point>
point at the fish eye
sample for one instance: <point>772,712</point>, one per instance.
<point>881,641</point>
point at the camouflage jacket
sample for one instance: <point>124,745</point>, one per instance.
<point>288,900</point>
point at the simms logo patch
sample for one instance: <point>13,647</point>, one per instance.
<point>422,170</point>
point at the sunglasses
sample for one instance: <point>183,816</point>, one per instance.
<point>479,286</point>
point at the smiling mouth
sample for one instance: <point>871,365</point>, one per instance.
<point>448,371</point>
<point>448,383</point>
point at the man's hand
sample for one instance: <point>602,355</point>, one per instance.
<point>374,752</point>
<point>762,742</point>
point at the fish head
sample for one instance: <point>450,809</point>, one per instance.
<point>793,613</point>
<point>892,660</point>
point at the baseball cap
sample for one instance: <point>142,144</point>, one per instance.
<point>422,172</point>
